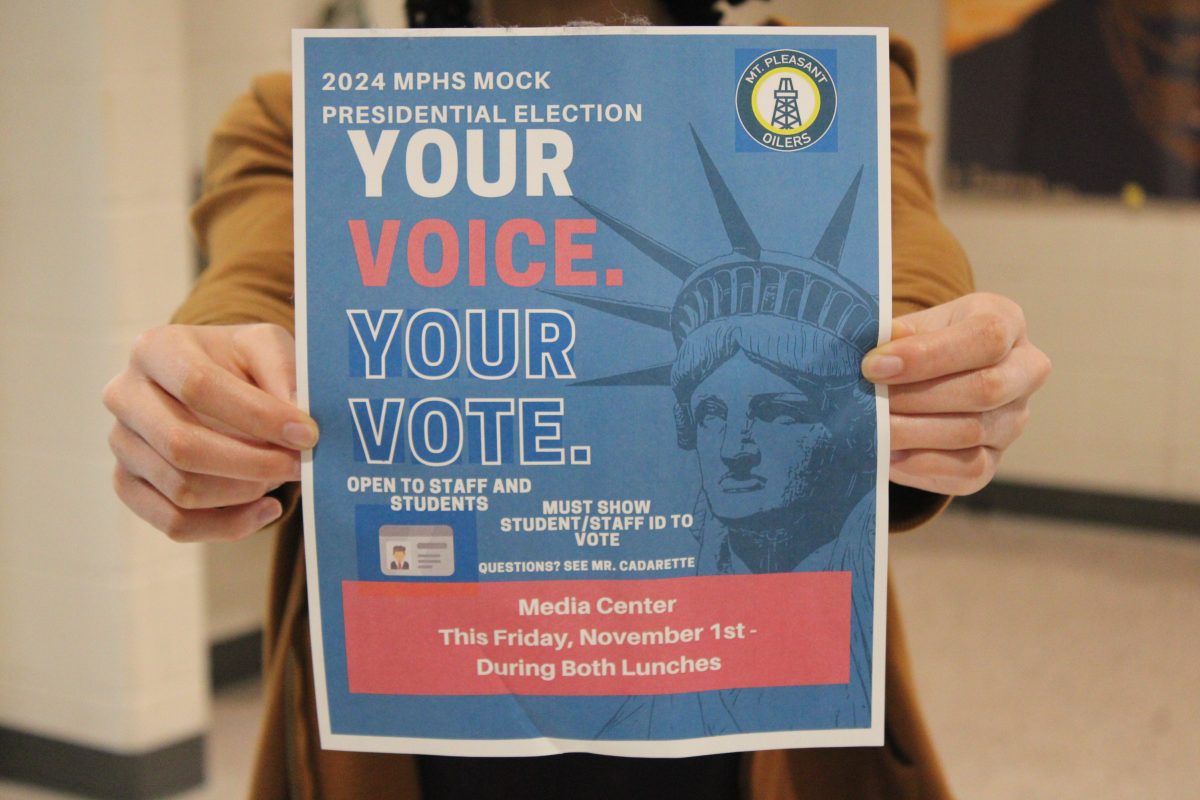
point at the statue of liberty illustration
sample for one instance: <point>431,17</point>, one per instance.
<point>769,394</point>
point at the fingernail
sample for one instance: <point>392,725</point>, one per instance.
<point>300,435</point>
<point>269,514</point>
<point>882,366</point>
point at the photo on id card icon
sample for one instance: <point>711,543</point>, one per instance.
<point>414,551</point>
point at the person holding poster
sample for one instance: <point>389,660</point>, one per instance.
<point>207,434</point>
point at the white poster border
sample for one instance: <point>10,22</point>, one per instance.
<point>872,736</point>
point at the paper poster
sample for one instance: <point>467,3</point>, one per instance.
<point>580,313</point>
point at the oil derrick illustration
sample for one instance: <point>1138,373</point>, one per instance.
<point>786,115</point>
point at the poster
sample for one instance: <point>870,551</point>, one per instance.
<point>1053,97</point>
<point>580,313</point>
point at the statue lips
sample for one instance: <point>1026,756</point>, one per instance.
<point>736,484</point>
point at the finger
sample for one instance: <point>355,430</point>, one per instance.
<point>166,426</point>
<point>901,329</point>
<point>187,490</point>
<point>264,354</point>
<point>997,429</point>
<point>953,472</point>
<point>1016,377</point>
<point>177,363</point>
<point>182,525</point>
<point>980,340</point>
<point>268,356</point>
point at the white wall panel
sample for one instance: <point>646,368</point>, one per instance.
<point>101,628</point>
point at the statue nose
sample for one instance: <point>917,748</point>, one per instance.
<point>739,451</point>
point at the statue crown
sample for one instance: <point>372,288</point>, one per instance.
<point>749,280</point>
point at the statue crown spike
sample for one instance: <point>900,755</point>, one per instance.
<point>829,249</point>
<point>736,227</point>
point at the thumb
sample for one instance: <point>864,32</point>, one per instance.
<point>268,354</point>
<point>878,366</point>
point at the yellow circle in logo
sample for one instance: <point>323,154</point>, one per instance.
<point>802,103</point>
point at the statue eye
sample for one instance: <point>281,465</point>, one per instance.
<point>710,411</point>
<point>780,412</point>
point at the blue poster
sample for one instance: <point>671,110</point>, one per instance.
<point>580,313</point>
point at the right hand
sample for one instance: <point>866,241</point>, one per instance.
<point>206,426</point>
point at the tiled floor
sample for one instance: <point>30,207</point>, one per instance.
<point>1055,661</point>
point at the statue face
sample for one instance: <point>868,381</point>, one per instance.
<point>762,443</point>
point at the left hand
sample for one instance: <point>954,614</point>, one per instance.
<point>960,376</point>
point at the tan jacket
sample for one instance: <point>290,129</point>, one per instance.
<point>244,223</point>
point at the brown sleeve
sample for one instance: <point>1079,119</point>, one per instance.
<point>928,265</point>
<point>243,221</point>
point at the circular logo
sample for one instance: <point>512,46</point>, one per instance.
<point>786,100</point>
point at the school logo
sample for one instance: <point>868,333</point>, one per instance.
<point>786,100</point>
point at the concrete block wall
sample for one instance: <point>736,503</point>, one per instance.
<point>99,615</point>
<point>1109,293</point>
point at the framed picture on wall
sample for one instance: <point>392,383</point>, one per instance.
<point>1097,97</point>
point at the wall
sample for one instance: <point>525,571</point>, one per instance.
<point>1109,295</point>
<point>98,614</point>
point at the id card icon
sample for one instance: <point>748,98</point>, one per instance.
<point>416,551</point>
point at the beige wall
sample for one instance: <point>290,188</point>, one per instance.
<point>98,614</point>
<point>1109,295</point>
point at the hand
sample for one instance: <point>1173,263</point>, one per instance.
<point>960,376</point>
<point>206,426</point>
